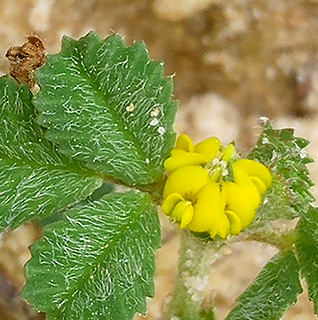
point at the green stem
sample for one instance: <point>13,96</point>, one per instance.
<point>195,260</point>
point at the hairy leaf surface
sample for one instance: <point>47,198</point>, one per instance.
<point>34,180</point>
<point>276,204</point>
<point>284,155</point>
<point>307,248</point>
<point>274,290</point>
<point>98,263</point>
<point>109,106</point>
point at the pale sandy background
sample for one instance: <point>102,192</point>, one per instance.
<point>233,60</point>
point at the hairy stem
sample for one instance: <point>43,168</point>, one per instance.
<point>195,260</point>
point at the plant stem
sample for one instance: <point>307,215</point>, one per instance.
<point>195,260</point>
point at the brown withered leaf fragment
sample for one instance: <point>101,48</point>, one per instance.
<point>26,59</point>
<point>12,306</point>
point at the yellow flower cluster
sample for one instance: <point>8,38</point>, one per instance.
<point>198,197</point>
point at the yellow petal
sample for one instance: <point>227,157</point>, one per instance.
<point>176,152</point>
<point>184,142</point>
<point>223,226</point>
<point>184,159</point>
<point>186,217</point>
<point>243,200</point>
<point>240,175</point>
<point>208,208</point>
<point>170,202</point>
<point>187,181</point>
<point>228,153</point>
<point>259,185</point>
<point>255,169</point>
<point>235,222</point>
<point>180,209</point>
<point>209,148</point>
<point>213,232</point>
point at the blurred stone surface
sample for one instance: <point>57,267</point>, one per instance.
<point>175,10</point>
<point>233,61</point>
<point>209,115</point>
<point>14,253</point>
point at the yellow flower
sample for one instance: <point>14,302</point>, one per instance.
<point>258,173</point>
<point>186,153</point>
<point>244,195</point>
<point>187,181</point>
<point>199,198</point>
<point>198,203</point>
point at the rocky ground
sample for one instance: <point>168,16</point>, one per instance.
<point>233,62</point>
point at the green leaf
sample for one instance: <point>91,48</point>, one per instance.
<point>98,263</point>
<point>109,106</point>
<point>34,180</point>
<point>276,204</point>
<point>274,290</point>
<point>307,250</point>
<point>283,154</point>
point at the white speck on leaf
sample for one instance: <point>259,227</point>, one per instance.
<point>130,108</point>
<point>265,140</point>
<point>161,130</point>
<point>155,112</point>
<point>154,122</point>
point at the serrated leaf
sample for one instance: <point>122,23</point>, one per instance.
<point>307,250</point>
<point>283,154</point>
<point>274,290</point>
<point>98,263</point>
<point>34,180</point>
<point>110,106</point>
